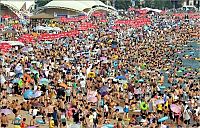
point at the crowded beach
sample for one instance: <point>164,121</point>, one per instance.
<point>139,70</point>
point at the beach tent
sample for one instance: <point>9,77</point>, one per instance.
<point>13,43</point>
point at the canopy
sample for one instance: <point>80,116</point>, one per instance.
<point>38,28</point>
<point>13,43</point>
<point>78,5</point>
<point>151,9</point>
<point>18,4</point>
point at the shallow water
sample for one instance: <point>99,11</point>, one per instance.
<point>193,50</point>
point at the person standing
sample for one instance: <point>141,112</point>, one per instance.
<point>68,95</point>
<point>83,85</point>
<point>186,116</point>
<point>4,121</point>
<point>95,120</point>
<point>23,124</point>
<point>76,116</point>
<point>63,119</point>
<point>106,110</point>
<point>55,117</point>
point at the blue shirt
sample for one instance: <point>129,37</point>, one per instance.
<point>55,115</point>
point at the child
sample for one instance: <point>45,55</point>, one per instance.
<point>126,110</point>
<point>23,125</point>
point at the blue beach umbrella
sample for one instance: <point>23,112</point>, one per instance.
<point>44,81</point>
<point>15,80</point>
<point>121,77</point>
<point>104,90</point>
<point>28,94</point>
<point>162,87</point>
<point>108,126</point>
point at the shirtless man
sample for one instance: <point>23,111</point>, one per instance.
<point>62,104</point>
<point>4,101</point>
<point>4,121</point>
<point>50,110</point>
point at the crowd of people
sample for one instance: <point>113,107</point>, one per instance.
<point>103,77</point>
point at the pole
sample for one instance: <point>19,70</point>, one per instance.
<point>107,4</point>
<point>114,3</point>
<point>199,5</point>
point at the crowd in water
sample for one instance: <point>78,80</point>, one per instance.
<point>104,77</point>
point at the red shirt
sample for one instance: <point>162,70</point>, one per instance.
<point>22,125</point>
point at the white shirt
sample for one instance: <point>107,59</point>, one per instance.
<point>35,88</point>
<point>46,73</point>
<point>186,114</point>
<point>130,95</point>
<point>94,115</point>
<point>7,69</point>
<point>83,83</point>
<point>35,112</point>
<point>106,108</point>
<point>16,48</point>
<point>163,126</point>
<point>88,69</point>
<point>197,111</point>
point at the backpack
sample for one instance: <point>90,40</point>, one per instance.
<point>17,121</point>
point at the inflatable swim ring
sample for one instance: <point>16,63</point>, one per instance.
<point>162,87</point>
<point>143,106</point>
<point>27,78</point>
<point>186,56</point>
<point>110,41</point>
<point>31,127</point>
<point>91,75</point>
<point>143,66</point>
<point>40,121</point>
<point>17,126</point>
<point>127,119</point>
<point>115,64</point>
<point>197,59</point>
<point>141,81</point>
<point>165,69</point>
<point>125,86</point>
<point>108,126</point>
<point>20,83</point>
<point>115,57</point>
<point>179,71</point>
<point>182,69</point>
<point>163,119</point>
